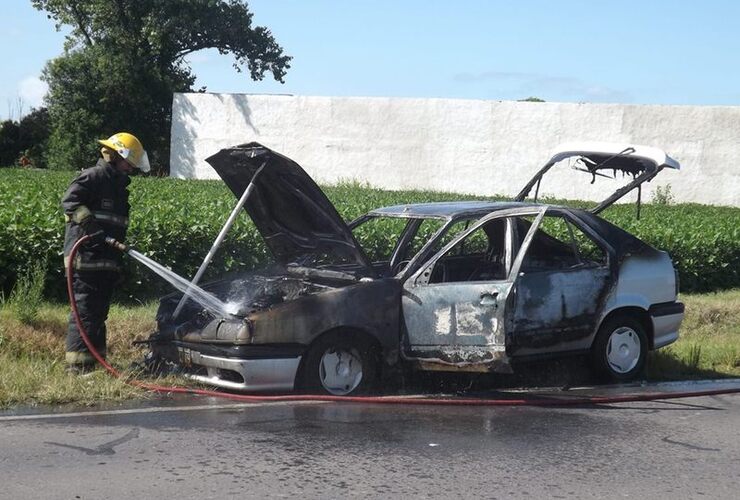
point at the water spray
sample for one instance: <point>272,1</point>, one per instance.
<point>219,239</point>
<point>205,299</point>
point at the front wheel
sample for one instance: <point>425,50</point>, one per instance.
<point>619,351</point>
<point>339,364</point>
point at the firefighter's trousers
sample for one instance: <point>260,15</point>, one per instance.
<point>92,292</point>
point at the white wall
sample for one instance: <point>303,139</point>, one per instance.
<point>464,146</point>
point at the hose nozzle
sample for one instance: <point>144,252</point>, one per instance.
<point>116,244</point>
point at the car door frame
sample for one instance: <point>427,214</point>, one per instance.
<point>571,340</point>
<point>419,303</point>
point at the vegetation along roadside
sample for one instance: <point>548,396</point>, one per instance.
<point>175,222</point>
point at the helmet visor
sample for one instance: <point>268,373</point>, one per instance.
<point>144,162</point>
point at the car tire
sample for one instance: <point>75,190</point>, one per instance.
<point>619,351</point>
<point>340,364</point>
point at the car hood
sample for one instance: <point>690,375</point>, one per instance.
<point>297,221</point>
<point>642,163</point>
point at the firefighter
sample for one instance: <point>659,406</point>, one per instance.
<point>96,205</point>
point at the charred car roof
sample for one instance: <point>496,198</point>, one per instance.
<point>445,209</point>
<point>620,240</point>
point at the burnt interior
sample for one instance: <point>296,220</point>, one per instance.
<point>481,256</point>
<point>474,261</point>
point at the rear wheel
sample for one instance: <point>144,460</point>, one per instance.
<point>340,364</point>
<point>620,349</point>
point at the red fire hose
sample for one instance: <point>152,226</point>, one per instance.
<point>396,400</point>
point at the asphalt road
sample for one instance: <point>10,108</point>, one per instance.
<point>205,448</point>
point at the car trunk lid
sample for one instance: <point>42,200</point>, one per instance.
<point>598,159</point>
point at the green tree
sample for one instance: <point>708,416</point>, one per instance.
<point>124,59</point>
<point>34,132</point>
<point>531,99</point>
<point>9,143</point>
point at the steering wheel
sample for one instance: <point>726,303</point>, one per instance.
<point>400,267</point>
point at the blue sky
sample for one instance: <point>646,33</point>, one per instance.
<point>645,52</point>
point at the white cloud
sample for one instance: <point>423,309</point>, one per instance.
<point>200,57</point>
<point>32,90</point>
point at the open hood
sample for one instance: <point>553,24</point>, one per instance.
<point>605,159</point>
<point>299,224</point>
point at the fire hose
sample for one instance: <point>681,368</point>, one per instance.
<point>395,400</point>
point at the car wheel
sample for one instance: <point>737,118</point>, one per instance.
<point>620,349</point>
<point>340,364</point>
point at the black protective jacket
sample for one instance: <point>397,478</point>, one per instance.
<point>100,192</point>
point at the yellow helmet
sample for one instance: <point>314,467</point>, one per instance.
<point>129,148</point>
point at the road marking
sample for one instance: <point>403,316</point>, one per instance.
<point>155,409</point>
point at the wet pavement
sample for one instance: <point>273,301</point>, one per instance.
<point>210,448</point>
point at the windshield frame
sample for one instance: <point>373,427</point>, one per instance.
<point>428,249</point>
<point>401,246</point>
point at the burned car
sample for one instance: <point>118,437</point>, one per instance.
<point>472,286</point>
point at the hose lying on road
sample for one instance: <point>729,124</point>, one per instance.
<point>396,400</point>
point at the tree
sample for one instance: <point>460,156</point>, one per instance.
<point>34,132</point>
<point>531,99</point>
<point>27,137</point>
<point>9,147</point>
<point>124,59</point>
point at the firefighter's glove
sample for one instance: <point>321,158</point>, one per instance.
<point>94,231</point>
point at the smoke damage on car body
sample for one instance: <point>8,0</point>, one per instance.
<point>467,286</point>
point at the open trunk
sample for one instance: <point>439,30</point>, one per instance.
<point>604,159</point>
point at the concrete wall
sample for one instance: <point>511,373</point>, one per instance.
<point>464,146</point>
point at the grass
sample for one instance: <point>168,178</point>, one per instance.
<point>27,296</point>
<point>32,353</point>
<point>32,369</point>
<point>709,345</point>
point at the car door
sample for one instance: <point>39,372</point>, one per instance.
<point>455,307</point>
<point>563,280</point>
